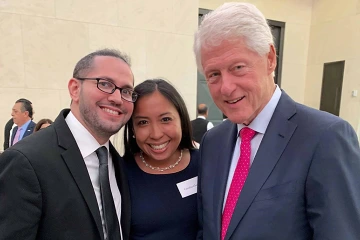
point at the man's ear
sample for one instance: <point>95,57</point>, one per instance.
<point>74,87</point>
<point>271,59</point>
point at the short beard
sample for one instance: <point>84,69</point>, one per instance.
<point>93,122</point>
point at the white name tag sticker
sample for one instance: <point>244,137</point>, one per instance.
<point>188,187</point>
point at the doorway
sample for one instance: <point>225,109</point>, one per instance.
<point>331,87</point>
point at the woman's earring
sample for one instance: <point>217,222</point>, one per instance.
<point>133,136</point>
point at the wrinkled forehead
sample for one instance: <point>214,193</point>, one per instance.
<point>228,47</point>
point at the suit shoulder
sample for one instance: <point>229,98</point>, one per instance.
<point>316,118</point>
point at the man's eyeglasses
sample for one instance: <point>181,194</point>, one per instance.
<point>106,86</point>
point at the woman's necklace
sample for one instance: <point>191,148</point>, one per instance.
<point>159,168</point>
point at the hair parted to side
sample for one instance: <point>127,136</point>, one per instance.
<point>84,65</point>
<point>233,21</point>
<point>26,105</point>
<point>169,92</point>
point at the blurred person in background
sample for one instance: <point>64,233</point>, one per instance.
<point>7,133</point>
<point>22,115</point>
<point>43,123</point>
<point>201,125</point>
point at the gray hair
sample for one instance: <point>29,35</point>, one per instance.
<point>233,21</point>
<point>85,64</point>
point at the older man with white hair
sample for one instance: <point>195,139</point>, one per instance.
<point>278,170</point>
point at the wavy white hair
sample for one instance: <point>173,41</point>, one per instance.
<point>233,21</point>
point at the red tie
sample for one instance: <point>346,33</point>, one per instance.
<point>240,175</point>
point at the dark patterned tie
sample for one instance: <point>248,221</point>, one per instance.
<point>109,212</point>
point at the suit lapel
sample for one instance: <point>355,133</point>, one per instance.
<point>75,162</point>
<point>276,138</point>
<point>222,171</point>
<point>122,183</point>
<point>29,129</point>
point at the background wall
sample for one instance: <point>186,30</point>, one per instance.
<point>335,36</point>
<point>41,41</point>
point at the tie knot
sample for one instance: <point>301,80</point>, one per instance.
<point>102,154</point>
<point>247,134</point>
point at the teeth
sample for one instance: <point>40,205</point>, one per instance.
<point>110,111</point>
<point>159,147</point>
<point>236,100</point>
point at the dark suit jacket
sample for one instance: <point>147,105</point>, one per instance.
<point>7,130</point>
<point>303,184</point>
<point>199,128</point>
<point>29,130</point>
<point>46,191</point>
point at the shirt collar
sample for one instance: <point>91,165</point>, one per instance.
<point>262,120</point>
<point>25,125</point>
<point>201,117</point>
<point>85,141</point>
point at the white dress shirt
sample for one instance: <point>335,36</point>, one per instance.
<point>11,131</point>
<point>88,145</point>
<point>259,124</point>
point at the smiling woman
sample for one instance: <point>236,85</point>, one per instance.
<point>162,165</point>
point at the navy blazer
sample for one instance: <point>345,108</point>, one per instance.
<point>303,184</point>
<point>29,130</point>
<point>46,191</point>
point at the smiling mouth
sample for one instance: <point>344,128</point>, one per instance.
<point>159,147</point>
<point>235,100</point>
<point>116,113</point>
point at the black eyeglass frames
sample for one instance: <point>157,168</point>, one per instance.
<point>104,85</point>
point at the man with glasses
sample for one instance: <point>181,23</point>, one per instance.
<point>67,181</point>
